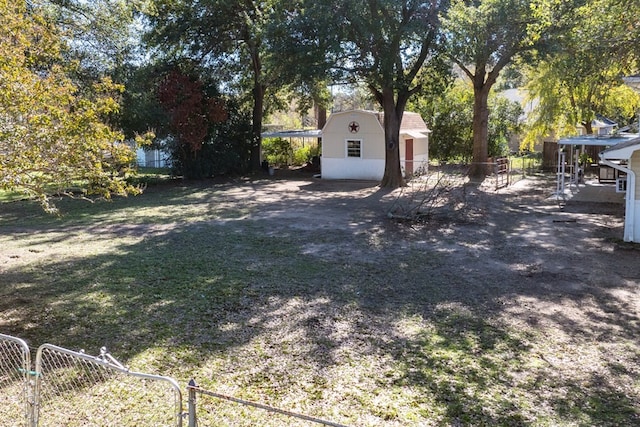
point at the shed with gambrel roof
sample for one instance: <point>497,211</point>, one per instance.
<point>353,145</point>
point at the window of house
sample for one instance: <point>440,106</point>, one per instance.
<point>354,148</point>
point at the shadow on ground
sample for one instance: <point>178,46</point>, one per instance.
<point>518,313</point>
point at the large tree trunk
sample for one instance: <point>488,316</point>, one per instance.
<point>256,128</point>
<point>321,119</point>
<point>392,119</point>
<point>321,115</point>
<point>479,166</point>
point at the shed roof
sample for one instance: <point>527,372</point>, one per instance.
<point>412,125</point>
<point>415,133</point>
<point>413,122</point>
<point>623,150</point>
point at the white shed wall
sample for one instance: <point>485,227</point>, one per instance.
<point>635,226</point>
<point>632,219</point>
<point>420,147</point>
<point>366,169</point>
<point>336,132</point>
<point>634,165</point>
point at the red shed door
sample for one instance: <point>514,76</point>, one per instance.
<point>408,157</point>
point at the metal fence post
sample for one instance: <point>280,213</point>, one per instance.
<point>15,375</point>
<point>193,422</point>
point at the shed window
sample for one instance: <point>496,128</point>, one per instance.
<point>354,148</point>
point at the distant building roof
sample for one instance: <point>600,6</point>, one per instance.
<point>632,81</point>
<point>603,121</point>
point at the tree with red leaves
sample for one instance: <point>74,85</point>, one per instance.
<point>189,109</point>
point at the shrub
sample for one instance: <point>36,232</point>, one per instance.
<point>277,151</point>
<point>305,154</point>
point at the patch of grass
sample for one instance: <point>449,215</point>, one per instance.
<point>466,365</point>
<point>10,196</point>
<point>152,176</point>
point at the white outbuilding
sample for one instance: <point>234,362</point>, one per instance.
<point>353,145</point>
<point>625,158</point>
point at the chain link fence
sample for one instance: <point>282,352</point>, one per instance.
<point>69,388</point>
<point>75,389</point>
<point>15,398</point>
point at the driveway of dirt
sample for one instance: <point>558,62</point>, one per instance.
<point>536,258</point>
<point>542,259</point>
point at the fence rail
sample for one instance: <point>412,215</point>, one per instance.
<point>70,388</point>
<point>505,171</point>
<point>263,417</point>
<point>501,170</point>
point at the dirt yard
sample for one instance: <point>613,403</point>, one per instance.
<point>511,233</point>
<point>562,276</point>
<point>496,308</point>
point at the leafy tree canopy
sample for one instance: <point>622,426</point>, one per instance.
<point>100,35</point>
<point>384,44</point>
<point>450,118</point>
<point>484,37</point>
<point>52,137</point>
<point>581,77</point>
<point>228,38</point>
<point>190,110</point>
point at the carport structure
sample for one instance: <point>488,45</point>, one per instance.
<point>570,168</point>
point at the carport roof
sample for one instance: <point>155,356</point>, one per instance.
<point>598,140</point>
<point>302,133</point>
